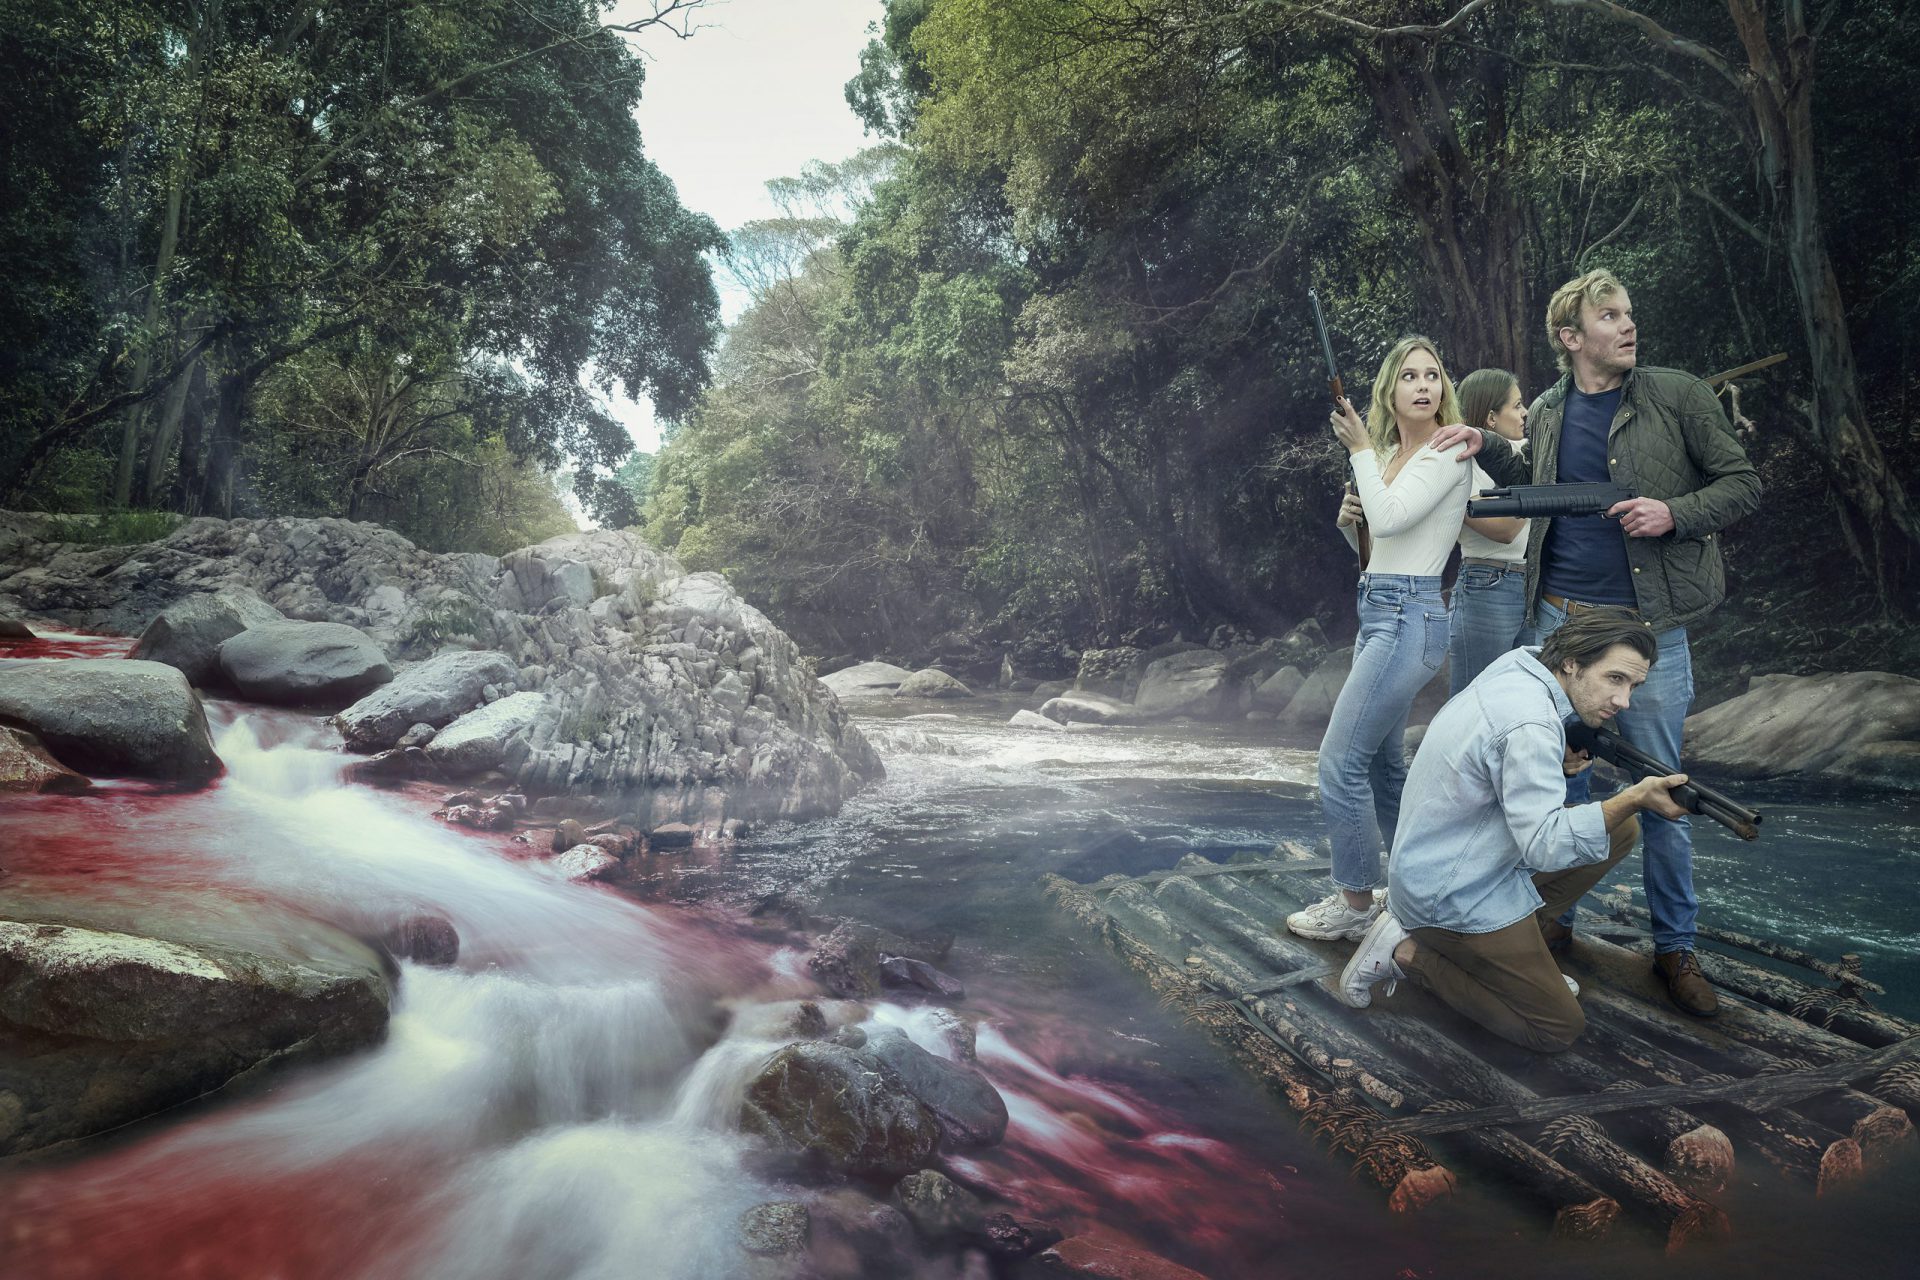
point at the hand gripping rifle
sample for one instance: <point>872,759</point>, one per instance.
<point>1338,391</point>
<point>1694,797</point>
<point>1530,501</point>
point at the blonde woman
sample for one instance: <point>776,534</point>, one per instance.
<point>1412,500</point>
<point>1490,595</point>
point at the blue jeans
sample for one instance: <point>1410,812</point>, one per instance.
<point>1363,758</point>
<point>1654,723</point>
<point>1489,618</point>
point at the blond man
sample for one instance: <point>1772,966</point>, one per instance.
<point>1662,433</point>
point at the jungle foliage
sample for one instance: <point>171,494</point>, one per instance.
<point>1041,364</point>
<point>310,258</point>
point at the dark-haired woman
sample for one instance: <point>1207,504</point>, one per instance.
<point>1490,595</point>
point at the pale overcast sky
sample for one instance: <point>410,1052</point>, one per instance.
<point>757,92</point>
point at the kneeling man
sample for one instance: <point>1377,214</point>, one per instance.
<point>1488,850</point>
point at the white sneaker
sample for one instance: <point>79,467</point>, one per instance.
<point>1373,962</point>
<point>1571,985</point>
<point>1332,920</point>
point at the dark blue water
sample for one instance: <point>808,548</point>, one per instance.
<point>974,813</point>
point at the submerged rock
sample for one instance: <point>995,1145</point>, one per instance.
<point>585,863</point>
<point>970,1110</point>
<point>866,679</point>
<point>847,961</point>
<point>104,1027</point>
<point>939,1208</point>
<point>304,664</point>
<point>26,765</point>
<point>931,683</point>
<point>842,1108</point>
<point>423,939</point>
<point>430,694</point>
<point>905,971</point>
<point>1100,1255</point>
<point>188,634</point>
<point>113,716</point>
<point>1024,719</point>
<point>776,1228</point>
<point>1090,708</point>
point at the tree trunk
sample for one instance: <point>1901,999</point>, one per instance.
<point>223,446</point>
<point>1471,229</point>
<point>184,495</point>
<point>1780,94</point>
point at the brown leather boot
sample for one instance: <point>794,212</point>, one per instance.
<point>1558,937</point>
<point>1686,984</point>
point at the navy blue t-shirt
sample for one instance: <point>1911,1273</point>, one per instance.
<point>1586,556</point>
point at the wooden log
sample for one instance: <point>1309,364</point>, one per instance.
<point>1793,1145</point>
<point>1577,1141</point>
<point>1830,1010</point>
<point>1683,1217</point>
<point>1404,1169</point>
<point>1757,1038</point>
<point>1841,971</point>
<point>1694,1153</point>
<point>1580,1211</point>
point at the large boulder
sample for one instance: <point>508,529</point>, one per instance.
<point>431,693</point>
<point>1112,672</point>
<point>104,1026</point>
<point>668,696</point>
<point>866,680</point>
<point>842,1108</point>
<point>1856,725</point>
<point>480,739</point>
<point>1089,708</point>
<point>188,633</point>
<point>304,664</point>
<point>931,683</point>
<point>970,1110</point>
<point>26,765</point>
<point>1191,684</point>
<point>1310,709</point>
<point>112,716</point>
<point>1278,689</point>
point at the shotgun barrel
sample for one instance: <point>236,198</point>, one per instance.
<point>1694,797</point>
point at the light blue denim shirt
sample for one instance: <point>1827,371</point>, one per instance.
<point>1485,804</point>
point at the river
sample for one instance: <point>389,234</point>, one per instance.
<point>559,1104</point>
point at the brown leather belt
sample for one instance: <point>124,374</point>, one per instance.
<point>1565,605</point>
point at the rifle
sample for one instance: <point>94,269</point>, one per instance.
<point>1694,797</point>
<point>1338,391</point>
<point>1531,501</point>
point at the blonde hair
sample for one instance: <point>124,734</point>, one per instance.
<point>1563,310</point>
<point>1382,428</point>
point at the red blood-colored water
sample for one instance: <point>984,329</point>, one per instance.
<point>571,1004</point>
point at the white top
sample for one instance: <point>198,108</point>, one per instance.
<point>1415,520</point>
<point>1479,546</point>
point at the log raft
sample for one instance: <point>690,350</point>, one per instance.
<point>1648,1120</point>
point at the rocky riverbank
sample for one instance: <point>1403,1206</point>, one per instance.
<point>608,677</point>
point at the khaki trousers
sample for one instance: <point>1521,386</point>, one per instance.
<point>1506,980</point>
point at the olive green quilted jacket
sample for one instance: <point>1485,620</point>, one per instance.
<point>1669,440</point>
